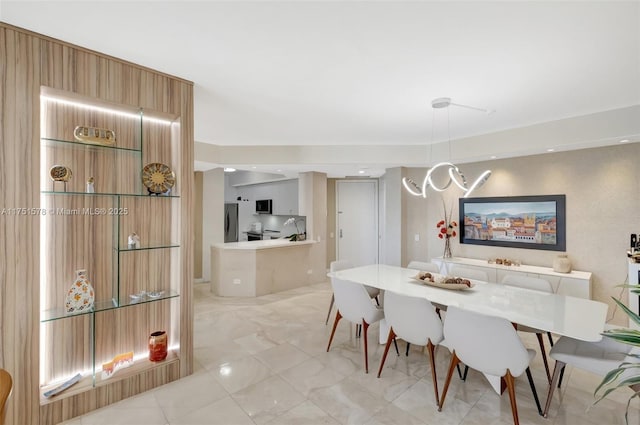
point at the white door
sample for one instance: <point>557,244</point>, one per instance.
<point>357,221</point>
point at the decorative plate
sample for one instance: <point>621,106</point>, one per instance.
<point>439,281</point>
<point>80,296</point>
<point>60,173</point>
<point>158,178</point>
<point>94,136</point>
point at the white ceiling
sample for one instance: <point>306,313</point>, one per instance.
<point>365,72</point>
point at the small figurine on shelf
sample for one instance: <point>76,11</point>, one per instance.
<point>133,241</point>
<point>90,186</point>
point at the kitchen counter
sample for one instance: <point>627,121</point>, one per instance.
<point>254,268</point>
<point>262,244</point>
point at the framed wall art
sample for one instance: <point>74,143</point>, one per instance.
<point>532,222</point>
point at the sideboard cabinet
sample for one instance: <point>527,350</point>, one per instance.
<point>576,283</point>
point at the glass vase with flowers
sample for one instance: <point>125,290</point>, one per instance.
<point>447,230</point>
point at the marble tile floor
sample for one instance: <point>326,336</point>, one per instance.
<point>263,361</point>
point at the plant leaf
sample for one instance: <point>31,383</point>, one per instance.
<point>608,379</point>
<point>629,313</point>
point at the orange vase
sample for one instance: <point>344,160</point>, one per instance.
<point>158,346</point>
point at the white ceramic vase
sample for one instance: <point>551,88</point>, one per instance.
<point>562,264</point>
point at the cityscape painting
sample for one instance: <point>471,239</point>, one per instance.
<point>534,222</point>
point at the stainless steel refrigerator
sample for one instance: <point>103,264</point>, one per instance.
<point>231,222</point>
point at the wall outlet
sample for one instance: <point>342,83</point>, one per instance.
<point>237,281</point>
<point>416,237</point>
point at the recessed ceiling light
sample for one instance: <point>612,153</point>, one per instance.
<point>493,157</point>
<point>278,170</point>
<point>624,141</point>
<point>361,172</point>
<point>254,167</point>
<point>229,170</point>
<point>550,150</point>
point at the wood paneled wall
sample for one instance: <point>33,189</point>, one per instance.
<point>27,62</point>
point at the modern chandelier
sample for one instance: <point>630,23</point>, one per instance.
<point>455,175</point>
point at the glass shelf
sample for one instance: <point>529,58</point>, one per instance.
<point>145,195</point>
<point>77,145</point>
<point>104,305</point>
<point>149,247</point>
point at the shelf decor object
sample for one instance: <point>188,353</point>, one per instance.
<point>93,135</point>
<point>66,384</point>
<point>120,361</point>
<point>90,185</point>
<point>133,241</point>
<point>158,346</point>
<point>60,173</point>
<point>80,296</point>
<point>158,178</point>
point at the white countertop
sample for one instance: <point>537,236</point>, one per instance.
<point>262,244</point>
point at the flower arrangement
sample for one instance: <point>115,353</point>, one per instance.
<point>447,230</point>
<point>296,236</point>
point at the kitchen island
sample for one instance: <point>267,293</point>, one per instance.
<point>254,268</point>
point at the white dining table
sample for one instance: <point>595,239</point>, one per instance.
<point>577,318</point>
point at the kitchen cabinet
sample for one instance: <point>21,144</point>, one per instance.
<point>285,200</point>
<point>283,193</point>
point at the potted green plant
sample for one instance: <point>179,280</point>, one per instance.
<point>628,373</point>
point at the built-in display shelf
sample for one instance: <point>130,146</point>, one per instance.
<point>87,382</point>
<point>103,305</point>
<point>81,145</point>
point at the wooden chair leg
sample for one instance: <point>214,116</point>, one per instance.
<point>511,388</point>
<point>395,344</point>
<point>432,360</point>
<point>407,353</point>
<point>556,375</point>
<point>390,338</point>
<point>452,366</point>
<point>333,331</point>
<point>365,328</point>
<point>533,390</point>
<point>543,353</point>
<point>550,339</point>
<point>333,298</point>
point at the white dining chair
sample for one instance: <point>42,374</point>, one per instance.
<point>595,357</point>
<point>426,267</point>
<point>490,345</point>
<point>354,304</point>
<point>535,284</point>
<point>468,273</point>
<point>414,320</point>
<point>423,266</point>
<point>343,265</point>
